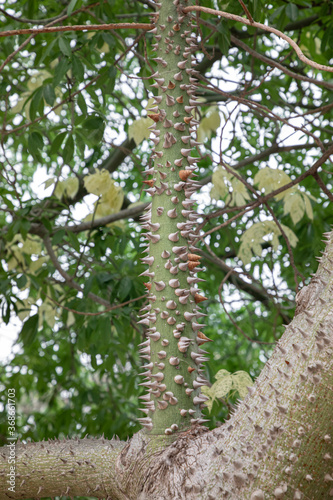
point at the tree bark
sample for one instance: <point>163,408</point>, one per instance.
<point>278,444</point>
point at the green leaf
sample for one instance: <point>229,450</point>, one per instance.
<point>124,288</point>
<point>49,94</point>
<point>58,236</point>
<point>78,68</point>
<point>60,70</point>
<point>82,104</point>
<point>68,149</point>
<point>95,129</point>
<point>29,330</point>
<point>292,11</point>
<point>65,47</point>
<point>71,6</point>
<point>36,101</point>
<point>35,142</point>
<point>74,240</point>
<point>56,143</point>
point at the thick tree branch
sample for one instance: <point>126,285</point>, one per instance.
<point>70,467</point>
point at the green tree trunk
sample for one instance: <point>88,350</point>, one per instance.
<point>278,444</point>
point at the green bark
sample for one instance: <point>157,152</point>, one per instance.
<point>173,349</point>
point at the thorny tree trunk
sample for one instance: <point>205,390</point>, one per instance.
<point>278,444</point>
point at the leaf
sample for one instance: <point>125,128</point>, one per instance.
<point>68,150</point>
<point>65,47</point>
<point>35,142</point>
<point>71,6</point>
<point>58,236</point>
<point>294,205</point>
<point>49,94</point>
<point>57,142</point>
<point>241,380</point>
<point>82,104</point>
<point>259,233</point>
<point>138,130</point>
<point>36,101</point>
<point>292,11</point>
<point>98,183</point>
<point>308,206</point>
<point>228,187</point>
<point>124,288</point>
<point>270,179</point>
<point>78,68</point>
<point>94,128</point>
<point>60,70</point>
<point>209,124</point>
<point>29,330</point>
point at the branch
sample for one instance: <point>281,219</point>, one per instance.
<point>103,221</point>
<point>254,24</point>
<point>84,27</point>
<point>271,62</point>
<point>86,467</point>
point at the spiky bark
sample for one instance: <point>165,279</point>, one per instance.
<point>279,442</point>
<point>173,352</point>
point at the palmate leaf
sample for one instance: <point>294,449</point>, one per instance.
<point>225,383</point>
<point>295,202</point>
<point>228,187</point>
<point>259,233</point>
<point>209,124</point>
<point>139,130</point>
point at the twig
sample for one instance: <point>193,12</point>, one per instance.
<point>231,318</point>
<point>79,27</point>
<point>279,33</point>
<point>246,10</point>
<point>323,186</point>
<point>83,313</point>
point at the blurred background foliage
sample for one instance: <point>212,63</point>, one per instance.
<point>70,154</point>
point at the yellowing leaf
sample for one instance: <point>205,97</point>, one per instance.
<point>70,319</point>
<point>226,185</point>
<point>138,130</point>
<point>260,233</point>
<point>49,182</point>
<point>32,245</point>
<point>37,80</point>
<point>295,202</point>
<point>47,312</point>
<point>98,183</point>
<point>270,179</point>
<point>241,380</point>
<point>37,264</point>
<point>294,205</point>
<point>109,203</point>
<point>71,186</point>
<point>25,308</point>
<point>308,206</point>
<point>209,124</point>
<point>16,260</point>
<point>226,382</point>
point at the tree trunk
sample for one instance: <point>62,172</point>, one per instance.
<point>278,444</point>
